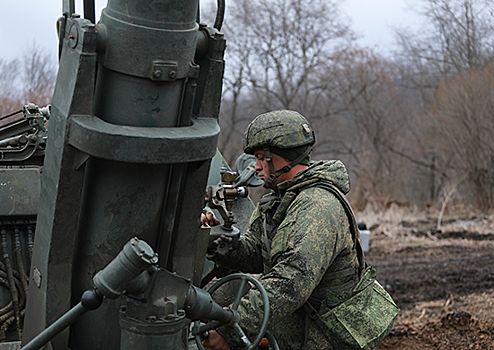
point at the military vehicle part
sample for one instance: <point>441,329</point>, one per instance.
<point>225,237</point>
<point>90,300</point>
<point>132,133</point>
<point>155,311</point>
<point>21,138</point>
<point>221,197</point>
<point>157,317</point>
<point>199,329</point>
<point>245,167</point>
<point>221,242</point>
<point>134,259</point>
<point>220,14</point>
<point>22,148</point>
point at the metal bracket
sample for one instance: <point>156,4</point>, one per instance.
<point>163,71</point>
<point>149,145</point>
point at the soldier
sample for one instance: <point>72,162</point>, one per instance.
<point>299,237</point>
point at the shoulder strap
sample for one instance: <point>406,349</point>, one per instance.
<point>310,311</point>
<point>329,186</point>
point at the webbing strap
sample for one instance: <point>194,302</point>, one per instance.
<point>307,307</point>
<point>328,185</point>
<point>266,253</point>
<point>273,174</point>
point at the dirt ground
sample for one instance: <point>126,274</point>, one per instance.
<point>443,280</point>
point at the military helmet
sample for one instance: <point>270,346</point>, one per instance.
<point>282,129</point>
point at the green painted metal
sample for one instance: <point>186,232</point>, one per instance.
<point>133,128</point>
<point>20,189</point>
<point>132,133</point>
<point>134,259</point>
<point>152,145</point>
<point>55,328</point>
<point>59,204</point>
<point>263,322</point>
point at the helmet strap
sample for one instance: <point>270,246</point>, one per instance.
<point>273,174</point>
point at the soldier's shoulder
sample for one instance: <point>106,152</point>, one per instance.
<point>317,195</point>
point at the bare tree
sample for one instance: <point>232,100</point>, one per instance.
<point>463,125</point>
<point>457,36</point>
<point>440,63</point>
<point>9,92</point>
<point>38,75</point>
<point>289,39</point>
<point>297,55</point>
<point>275,49</point>
<point>369,127</point>
<point>29,79</point>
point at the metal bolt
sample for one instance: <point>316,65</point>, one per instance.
<point>157,74</point>
<point>73,36</point>
<point>172,74</point>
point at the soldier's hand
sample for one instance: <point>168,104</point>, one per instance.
<point>209,219</point>
<point>215,341</point>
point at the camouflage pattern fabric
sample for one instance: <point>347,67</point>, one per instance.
<point>312,239</point>
<point>281,129</point>
<point>363,320</point>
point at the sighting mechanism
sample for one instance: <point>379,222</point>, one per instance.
<point>225,237</point>
<point>221,197</point>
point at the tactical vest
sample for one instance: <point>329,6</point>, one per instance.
<point>274,209</point>
<point>357,314</point>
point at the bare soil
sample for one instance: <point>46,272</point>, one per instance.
<point>443,281</point>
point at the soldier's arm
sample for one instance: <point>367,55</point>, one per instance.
<point>247,258</point>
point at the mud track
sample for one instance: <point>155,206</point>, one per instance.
<point>442,281</point>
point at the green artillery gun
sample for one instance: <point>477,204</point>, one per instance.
<point>125,150</point>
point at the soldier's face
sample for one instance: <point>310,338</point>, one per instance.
<point>262,166</point>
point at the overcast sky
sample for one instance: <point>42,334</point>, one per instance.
<point>24,22</point>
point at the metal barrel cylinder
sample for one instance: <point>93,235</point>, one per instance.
<point>168,334</point>
<point>148,55</point>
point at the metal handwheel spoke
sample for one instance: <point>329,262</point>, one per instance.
<point>209,326</point>
<point>240,294</point>
<point>242,335</point>
<point>263,322</point>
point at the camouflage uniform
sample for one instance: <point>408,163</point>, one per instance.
<point>311,255</point>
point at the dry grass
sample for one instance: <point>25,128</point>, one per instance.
<point>400,222</point>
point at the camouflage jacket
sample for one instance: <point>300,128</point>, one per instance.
<point>309,237</point>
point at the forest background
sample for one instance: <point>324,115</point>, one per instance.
<point>413,126</point>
